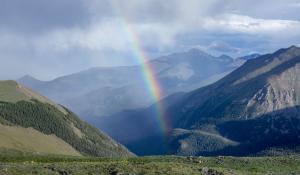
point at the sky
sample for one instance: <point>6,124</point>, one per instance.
<point>47,39</point>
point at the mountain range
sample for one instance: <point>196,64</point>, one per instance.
<point>32,123</point>
<point>101,92</point>
<point>254,109</point>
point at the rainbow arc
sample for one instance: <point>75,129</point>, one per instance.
<point>148,71</point>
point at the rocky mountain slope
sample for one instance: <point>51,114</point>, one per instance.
<point>253,108</point>
<point>30,122</point>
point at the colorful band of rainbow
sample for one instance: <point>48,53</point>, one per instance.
<point>147,70</point>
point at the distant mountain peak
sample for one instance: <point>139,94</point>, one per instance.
<point>197,51</point>
<point>250,56</point>
<point>30,80</point>
<point>293,49</point>
<point>225,58</point>
<point>28,77</point>
<point>286,54</point>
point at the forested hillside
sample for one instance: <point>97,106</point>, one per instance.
<point>50,120</point>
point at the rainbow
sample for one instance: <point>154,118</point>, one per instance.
<point>148,71</point>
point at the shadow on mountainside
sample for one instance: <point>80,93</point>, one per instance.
<point>276,129</point>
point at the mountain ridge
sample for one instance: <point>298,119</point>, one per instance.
<point>250,93</point>
<point>242,72</point>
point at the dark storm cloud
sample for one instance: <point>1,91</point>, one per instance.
<point>31,16</point>
<point>48,38</point>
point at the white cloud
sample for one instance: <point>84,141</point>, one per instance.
<point>244,24</point>
<point>115,35</point>
<point>296,4</point>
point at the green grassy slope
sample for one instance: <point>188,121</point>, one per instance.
<point>21,107</point>
<point>31,140</point>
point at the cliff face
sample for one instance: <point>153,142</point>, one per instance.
<point>281,91</point>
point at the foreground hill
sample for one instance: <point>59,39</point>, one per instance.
<point>30,122</point>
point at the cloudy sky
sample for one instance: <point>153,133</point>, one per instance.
<point>49,38</point>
